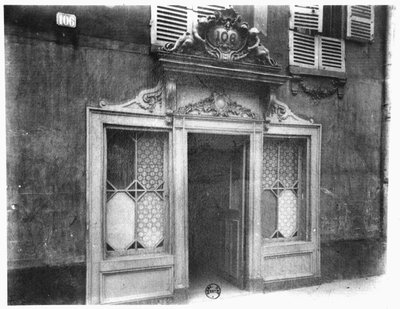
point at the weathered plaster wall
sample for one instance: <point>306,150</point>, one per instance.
<point>48,86</point>
<point>53,73</point>
<point>351,131</point>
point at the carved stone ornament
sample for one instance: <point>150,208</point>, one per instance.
<point>279,112</point>
<point>217,105</point>
<point>318,88</point>
<point>223,36</point>
<point>147,100</point>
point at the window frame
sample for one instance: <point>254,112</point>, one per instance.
<point>304,181</point>
<point>317,68</point>
<point>312,133</point>
<point>165,248</point>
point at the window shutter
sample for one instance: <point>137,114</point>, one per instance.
<point>169,22</point>
<point>303,50</point>
<point>208,10</point>
<point>331,54</point>
<point>306,17</point>
<point>360,22</point>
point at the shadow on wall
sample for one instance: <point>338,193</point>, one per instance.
<point>47,285</point>
<point>352,259</point>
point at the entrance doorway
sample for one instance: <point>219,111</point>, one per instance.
<point>217,203</point>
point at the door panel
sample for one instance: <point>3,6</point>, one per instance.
<point>139,284</point>
<point>289,204</point>
<point>128,253</point>
<point>232,221</point>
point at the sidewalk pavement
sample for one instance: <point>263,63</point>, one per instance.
<point>370,292</point>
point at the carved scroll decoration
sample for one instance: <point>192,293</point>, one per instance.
<point>147,100</point>
<point>217,105</point>
<point>223,36</point>
<point>279,112</point>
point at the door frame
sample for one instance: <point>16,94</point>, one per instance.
<point>176,261</point>
<point>183,125</point>
<point>98,267</point>
<point>303,254</point>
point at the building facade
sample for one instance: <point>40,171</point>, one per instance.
<point>147,145</point>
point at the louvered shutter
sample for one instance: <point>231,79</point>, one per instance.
<point>169,22</point>
<point>360,22</point>
<point>208,10</point>
<point>303,50</point>
<point>331,55</point>
<point>306,17</point>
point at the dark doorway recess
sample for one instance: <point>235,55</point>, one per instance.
<point>217,200</point>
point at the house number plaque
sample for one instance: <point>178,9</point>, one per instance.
<point>223,36</point>
<point>66,20</point>
<point>227,41</point>
<point>226,36</point>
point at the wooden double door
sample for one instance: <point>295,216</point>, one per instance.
<point>218,191</point>
<point>164,197</point>
<point>138,179</point>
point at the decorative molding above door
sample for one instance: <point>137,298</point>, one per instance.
<point>217,105</point>
<point>279,112</point>
<point>147,100</point>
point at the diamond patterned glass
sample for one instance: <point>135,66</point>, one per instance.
<point>135,189</point>
<point>270,164</point>
<point>288,169</point>
<point>150,223</point>
<point>281,178</point>
<point>150,161</point>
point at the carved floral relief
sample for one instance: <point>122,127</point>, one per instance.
<point>217,105</point>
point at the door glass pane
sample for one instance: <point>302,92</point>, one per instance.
<point>150,220</point>
<point>120,221</point>
<point>150,161</point>
<point>136,207</point>
<point>120,158</point>
<point>284,199</point>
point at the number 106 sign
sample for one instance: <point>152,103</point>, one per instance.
<point>66,20</point>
